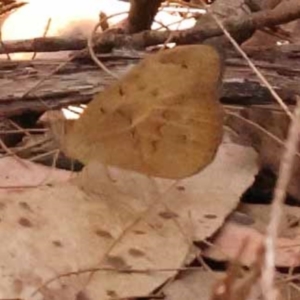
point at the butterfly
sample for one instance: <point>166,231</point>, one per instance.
<point>163,118</point>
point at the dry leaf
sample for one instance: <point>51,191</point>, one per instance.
<point>233,235</point>
<point>117,220</point>
<point>162,119</point>
<point>22,173</point>
<point>192,285</point>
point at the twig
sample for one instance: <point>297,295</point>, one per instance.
<point>288,11</point>
<point>90,45</point>
<point>18,127</point>
<point>171,35</point>
<point>147,297</point>
<point>44,35</point>
<point>20,149</point>
<point>261,129</point>
<point>116,270</point>
<point>285,171</point>
<point>37,157</point>
<point>295,286</point>
<point>256,71</point>
<point>250,63</point>
<point>11,153</point>
<point>23,130</point>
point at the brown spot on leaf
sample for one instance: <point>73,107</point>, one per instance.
<point>117,262</point>
<point>25,206</point>
<point>184,66</point>
<point>168,215</point>
<point>154,92</point>
<point>201,245</point>
<point>103,233</point>
<point>139,232</point>
<point>18,286</point>
<point>111,293</point>
<point>25,222</point>
<point>121,92</point>
<point>136,252</point>
<point>180,188</point>
<point>141,85</point>
<point>57,243</point>
<point>82,296</point>
<point>210,216</point>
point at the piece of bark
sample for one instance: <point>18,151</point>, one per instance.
<point>77,83</point>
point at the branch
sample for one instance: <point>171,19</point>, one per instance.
<point>287,11</point>
<point>44,44</point>
<point>141,15</point>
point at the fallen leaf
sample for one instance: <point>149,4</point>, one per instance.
<point>233,235</point>
<point>193,285</point>
<point>162,119</point>
<point>136,231</point>
<point>22,173</point>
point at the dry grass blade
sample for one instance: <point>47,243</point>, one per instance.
<point>47,27</point>
<point>10,152</point>
<point>243,54</point>
<point>90,44</point>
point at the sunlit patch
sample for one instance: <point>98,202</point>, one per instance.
<point>282,43</point>
<point>171,45</point>
<point>73,112</point>
<point>70,18</point>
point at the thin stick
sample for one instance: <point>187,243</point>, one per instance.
<point>11,153</point>
<point>253,67</point>
<point>116,270</point>
<point>42,155</point>
<point>260,128</point>
<point>285,171</point>
<point>20,149</point>
<point>90,46</point>
<point>44,35</point>
<point>18,127</point>
<point>23,130</point>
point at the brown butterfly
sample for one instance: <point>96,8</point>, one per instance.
<point>162,119</point>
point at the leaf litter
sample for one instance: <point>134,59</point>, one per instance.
<point>287,245</point>
<point>112,232</point>
<point>108,224</point>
